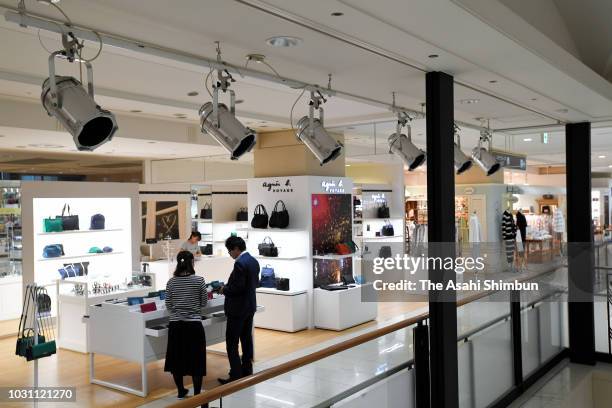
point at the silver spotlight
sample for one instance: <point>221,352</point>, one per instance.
<point>221,123</point>
<point>65,98</point>
<point>311,132</point>
<point>462,162</point>
<point>487,162</point>
<point>401,145</point>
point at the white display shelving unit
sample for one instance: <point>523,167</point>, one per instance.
<point>119,204</point>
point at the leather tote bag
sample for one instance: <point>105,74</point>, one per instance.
<point>206,212</point>
<point>387,230</point>
<point>280,216</point>
<point>97,222</point>
<point>268,279</point>
<point>52,225</point>
<point>260,217</point>
<point>282,284</point>
<point>267,248</point>
<point>70,222</point>
<point>242,214</point>
<point>383,210</point>
<point>385,252</point>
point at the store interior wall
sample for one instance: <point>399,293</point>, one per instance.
<point>195,170</point>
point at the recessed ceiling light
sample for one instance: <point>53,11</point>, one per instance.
<point>562,110</point>
<point>151,142</point>
<point>337,13</point>
<point>527,139</point>
<point>534,99</point>
<point>347,165</point>
<point>601,156</point>
<point>193,93</point>
<point>433,56</point>
<point>493,81</point>
<point>239,101</point>
<point>21,147</point>
<point>610,166</point>
<point>284,41</point>
<point>178,115</point>
<point>469,101</point>
<point>135,110</point>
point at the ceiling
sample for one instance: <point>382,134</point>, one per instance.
<point>372,50</point>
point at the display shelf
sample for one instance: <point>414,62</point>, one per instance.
<point>231,222</point>
<point>79,256</point>
<point>203,220</point>
<point>381,238</point>
<point>273,291</point>
<point>272,229</point>
<point>280,258</point>
<point>333,256</point>
<point>79,232</point>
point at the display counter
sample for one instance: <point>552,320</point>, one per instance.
<point>10,297</point>
<point>285,310</point>
<point>210,267</point>
<point>341,309</point>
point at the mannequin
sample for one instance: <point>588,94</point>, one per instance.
<point>509,234</point>
<point>521,224</point>
<point>559,227</point>
<point>475,235</point>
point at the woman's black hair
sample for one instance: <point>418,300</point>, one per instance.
<point>196,234</point>
<point>235,242</point>
<point>184,264</point>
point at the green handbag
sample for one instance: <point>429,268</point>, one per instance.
<point>53,225</point>
<point>26,341</point>
<point>40,350</point>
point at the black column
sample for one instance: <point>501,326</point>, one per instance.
<point>441,237</point>
<point>580,243</point>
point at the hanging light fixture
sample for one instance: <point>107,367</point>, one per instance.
<point>487,162</point>
<point>312,133</point>
<point>401,145</point>
<point>221,123</point>
<point>64,98</point>
<point>462,162</point>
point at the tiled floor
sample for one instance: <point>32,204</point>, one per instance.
<point>559,388</point>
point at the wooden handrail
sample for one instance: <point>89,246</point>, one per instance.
<point>223,390</point>
<point>264,375</point>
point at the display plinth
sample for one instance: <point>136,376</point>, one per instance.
<point>341,309</point>
<point>285,310</point>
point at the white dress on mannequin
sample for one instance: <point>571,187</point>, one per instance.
<point>475,231</point>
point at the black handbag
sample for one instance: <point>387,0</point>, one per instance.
<point>282,284</point>
<point>206,212</point>
<point>242,214</point>
<point>383,210</point>
<point>387,230</point>
<point>69,222</point>
<point>267,248</point>
<point>347,279</point>
<point>260,217</point>
<point>280,216</point>
<point>97,222</point>
<point>207,249</point>
<point>385,252</point>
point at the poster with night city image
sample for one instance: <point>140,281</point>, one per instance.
<point>331,225</point>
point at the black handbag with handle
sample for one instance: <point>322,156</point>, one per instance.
<point>385,252</point>
<point>206,212</point>
<point>282,284</point>
<point>242,214</point>
<point>383,210</point>
<point>387,229</point>
<point>267,248</point>
<point>260,217</point>
<point>70,222</point>
<point>280,216</point>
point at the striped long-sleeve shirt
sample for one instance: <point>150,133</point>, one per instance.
<point>185,297</point>
<point>508,226</point>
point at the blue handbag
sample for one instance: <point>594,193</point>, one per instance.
<point>135,300</point>
<point>268,279</point>
<point>97,222</point>
<point>53,251</point>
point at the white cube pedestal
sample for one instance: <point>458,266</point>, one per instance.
<point>341,309</point>
<point>283,310</point>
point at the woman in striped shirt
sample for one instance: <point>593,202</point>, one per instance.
<point>186,295</point>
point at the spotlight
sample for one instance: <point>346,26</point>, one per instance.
<point>311,132</point>
<point>221,123</point>
<point>65,99</point>
<point>462,162</point>
<point>401,145</point>
<point>487,162</point>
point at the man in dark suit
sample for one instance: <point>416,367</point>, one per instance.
<point>240,306</point>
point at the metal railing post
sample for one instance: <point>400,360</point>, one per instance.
<point>421,365</point>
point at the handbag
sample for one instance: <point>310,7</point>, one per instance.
<point>137,300</point>
<point>353,246</point>
<point>343,249</point>
<point>385,252</point>
<point>282,284</point>
<point>70,222</point>
<point>260,217</point>
<point>383,210</point>
<point>43,303</point>
<point>347,279</point>
<point>387,230</point>
<point>267,248</point>
<point>148,307</point>
<point>207,249</point>
<point>52,225</point>
<point>206,212</point>
<point>268,279</point>
<point>280,216</point>
<point>97,222</point>
<point>80,268</point>
<point>242,214</point>
<point>53,251</point>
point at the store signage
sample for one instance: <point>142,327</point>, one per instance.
<point>333,187</point>
<point>545,138</point>
<point>511,160</point>
<point>379,198</point>
<point>277,186</point>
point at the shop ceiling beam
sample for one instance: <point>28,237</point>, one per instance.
<point>581,272</point>
<point>441,238</point>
